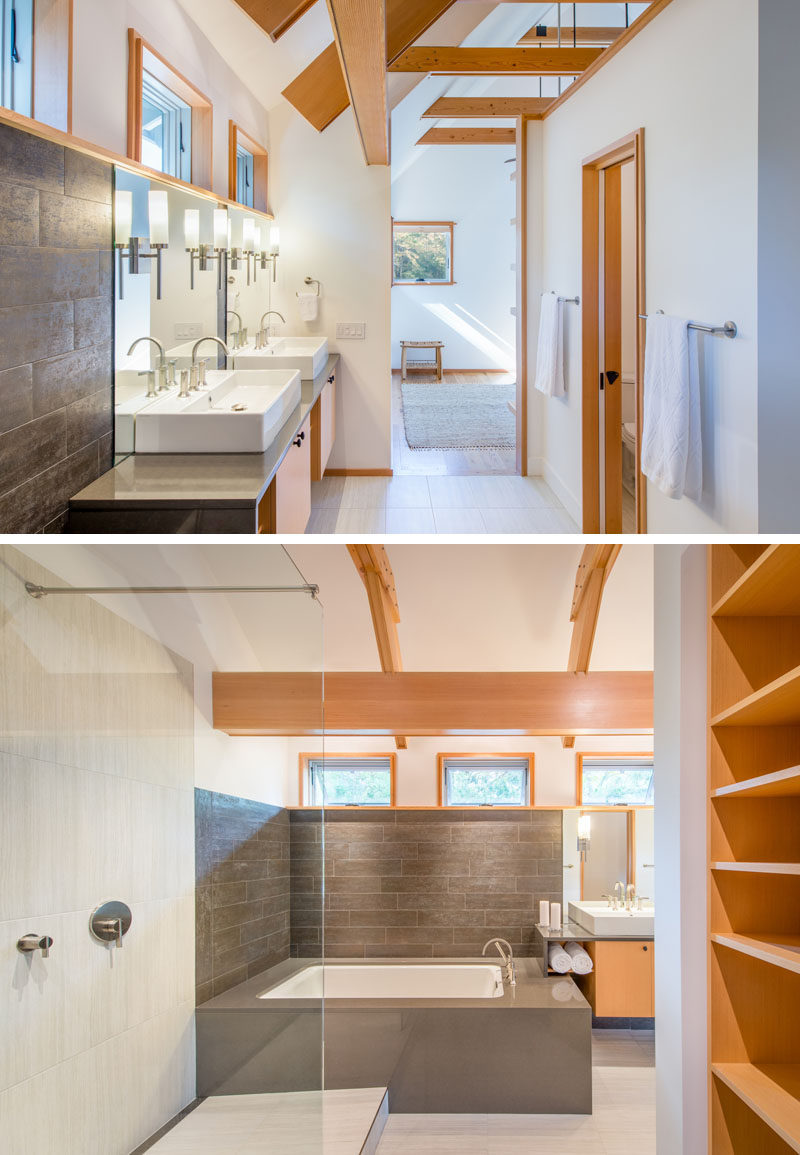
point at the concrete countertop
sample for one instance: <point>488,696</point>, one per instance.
<point>574,932</point>
<point>208,480</point>
<point>533,991</point>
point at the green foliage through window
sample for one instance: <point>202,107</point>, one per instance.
<point>475,783</point>
<point>422,253</point>
<point>612,784</point>
<point>345,782</point>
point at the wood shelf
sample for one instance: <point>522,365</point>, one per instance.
<point>771,1090</point>
<point>776,704</point>
<point>782,950</point>
<point>769,588</point>
<point>779,784</point>
<point>759,867</point>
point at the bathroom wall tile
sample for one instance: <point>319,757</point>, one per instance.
<point>44,438</point>
<point>67,223</point>
<point>86,177</point>
<point>93,317</point>
<point>33,332</point>
<point>16,397</point>
<point>19,217</point>
<point>60,381</point>
<point>36,276</point>
<point>45,496</point>
<point>89,419</point>
<point>30,160</point>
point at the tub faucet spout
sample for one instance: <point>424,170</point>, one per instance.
<point>508,958</point>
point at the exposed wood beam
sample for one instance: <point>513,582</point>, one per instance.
<point>475,107</point>
<point>319,93</point>
<point>275,16</point>
<point>594,568</point>
<point>359,28</point>
<point>496,61</point>
<point>406,20</point>
<point>571,37</point>
<point>469,136</point>
<point>373,565</point>
<point>284,704</point>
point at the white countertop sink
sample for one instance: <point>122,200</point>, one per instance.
<point>599,918</point>
<point>308,354</point>
<point>210,420</point>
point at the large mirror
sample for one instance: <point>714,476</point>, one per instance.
<point>605,846</point>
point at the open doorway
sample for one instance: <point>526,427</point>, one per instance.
<point>614,493</point>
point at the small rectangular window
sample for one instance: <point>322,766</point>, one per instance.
<point>166,130</point>
<point>16,55</point>
<point>351,781</point>
<point>422,252</point>
<point>244,176</point>
<point>500,781</point>
<point>616,782</point>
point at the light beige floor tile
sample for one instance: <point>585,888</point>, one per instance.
<point>451,493</point>
<point>365,492</point>
<point>520,521</point>
<point>328,492</point>
<point>323,519</point>
<point>410,520</point>
<point>361,520</point>
<point>458,520</point>
<point>512,493</point>
<point>408,492</point>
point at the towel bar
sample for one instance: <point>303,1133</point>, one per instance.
<point>311,281</point>
<point>568,300</point>
<point>729,329</point>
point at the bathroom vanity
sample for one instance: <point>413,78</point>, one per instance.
<point>222,492</point>
<point>622,983</point>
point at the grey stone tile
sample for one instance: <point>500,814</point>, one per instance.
<point>93,321</point>
<point>16,397</point>
<point>89,419</point>
<point>230,871</point>
<point>263,927</point>
<point>223,941</point>
<point>86,177</point>
<point>228,893</point>
<point>19,217</point>
<point>36,276</point>
<point>26,450</point>
<point>224,982</point>
<point>66,223</point>
<point>453,918</point>
<point>203,964</point>
<point>423,901</point>
<point>430,817</point>
<point>242,912</point>
<point>349,867</point>
<point>37,502</point>
<point>33,332</point>
<point>378,918</point>
<point>420,934</point>
<point>34,162</point>
<point>358,936</point>
<point>397,950</point>
<point>58,524</point>
<point>203,992</point>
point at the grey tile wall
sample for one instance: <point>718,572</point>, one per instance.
<point>56,364</point>
<point>433,883</point>
<point>242,890</point>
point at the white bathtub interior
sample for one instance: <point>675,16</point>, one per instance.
<point>401,981</point>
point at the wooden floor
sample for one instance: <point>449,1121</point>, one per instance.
<point>455,462</point>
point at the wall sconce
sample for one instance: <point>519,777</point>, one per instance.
<point>252,247</point>
<point>205,254</point>
<point>130,247</point>
<point>584,835</point>
<point>274,248</point>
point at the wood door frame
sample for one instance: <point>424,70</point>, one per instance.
<point>629,148</point>
<point>522,295</point>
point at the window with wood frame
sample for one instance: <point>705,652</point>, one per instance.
<point>169,119</point>
<point>347,779</point>
<point>422,252</point>
<point>615,780</point>
<point>486,779</point>
<point>248,169</point>
<point>36,60</point>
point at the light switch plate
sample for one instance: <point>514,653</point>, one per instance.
<point>187,330</point>
<point>351,330</point>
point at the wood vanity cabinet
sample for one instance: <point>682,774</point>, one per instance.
<point>622,982</point>
<point>323,428</point>
<point>286,506</point>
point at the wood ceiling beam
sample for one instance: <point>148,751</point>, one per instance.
<point>406,20</point>
<point>290,704</point>
<point>275,16</point>
<point>475,107</point>
<point>496,61</point>
<point>319,93</point>
<point>469,136</point>
<point>580,36</point>
<point>375,570</point>
<point>595,565</point>
<point>359,29</point>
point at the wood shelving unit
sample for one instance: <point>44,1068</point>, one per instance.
<point>754,848</point>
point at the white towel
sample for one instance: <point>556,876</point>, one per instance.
<point>558,958</point>
<point>550,353</point>
<point>672,450</point>
<point>581,962</point>
<point>309,306</point>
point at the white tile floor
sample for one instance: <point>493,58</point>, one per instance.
<point>436,505</point>
<point>622,1122</point>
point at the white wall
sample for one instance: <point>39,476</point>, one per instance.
<point>680,850</point>
<point>699,111</point>
<point>96,802</point>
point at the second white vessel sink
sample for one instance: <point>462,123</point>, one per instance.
<point>599,918</point>
<point>236,413</point>
<point>308,354</point>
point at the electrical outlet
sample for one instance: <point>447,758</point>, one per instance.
<point>188,330</point>
<point>351,330</point>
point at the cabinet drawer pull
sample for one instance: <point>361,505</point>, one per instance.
<point>298,441</point>
<point>644,948</point>
<point>331,379</point>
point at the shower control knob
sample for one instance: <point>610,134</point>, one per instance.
<point>32,942</point>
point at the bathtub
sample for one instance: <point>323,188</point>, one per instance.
<point>412,981</point>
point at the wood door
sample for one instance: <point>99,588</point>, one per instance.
<point>286,508</point>
<point>612,347</point>
<point>622,982</point>
<point>323,429</point>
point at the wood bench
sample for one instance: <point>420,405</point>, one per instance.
<point>436,363</point>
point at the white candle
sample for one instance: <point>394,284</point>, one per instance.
<point>544,912</point>
<point>555,916</point>
<point>220,228</point>
<point>159,217</point>
<point>123,216</point>
<point>191,228</point>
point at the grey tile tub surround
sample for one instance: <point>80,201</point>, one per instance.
<point>56,362</point>
<point>422,883</point>
<point>242,890</point>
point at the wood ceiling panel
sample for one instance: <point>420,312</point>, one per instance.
<point>469,136</point>
<point>359,27</point>
<point>406,20</point>
<point>496,61</point>
<point>319,93</point>
<point>473,107</point>
<point>570,37</point>
<point>275,16</point>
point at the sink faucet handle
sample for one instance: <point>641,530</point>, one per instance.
<point>151,381</point>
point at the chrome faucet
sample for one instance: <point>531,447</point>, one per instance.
<point>619,895</point>
<point>508,959</point>
<point>198,378</point>
<point>236,337</point>
<point>160,372</point>
<point>630,897</point>
<point>31,942</point>
<point>262,337</point>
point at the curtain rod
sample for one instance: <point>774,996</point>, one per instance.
<point>37,591</point>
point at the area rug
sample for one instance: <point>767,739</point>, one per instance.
<point>450,416</point>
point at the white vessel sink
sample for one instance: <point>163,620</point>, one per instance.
<point>130,398</point>
<point>599,918</point>
<point>207,422</point>
<point>308,354</point>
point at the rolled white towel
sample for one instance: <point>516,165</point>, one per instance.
<point>581,962</point>
<point>558,958</point>
<point>309,306</point>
